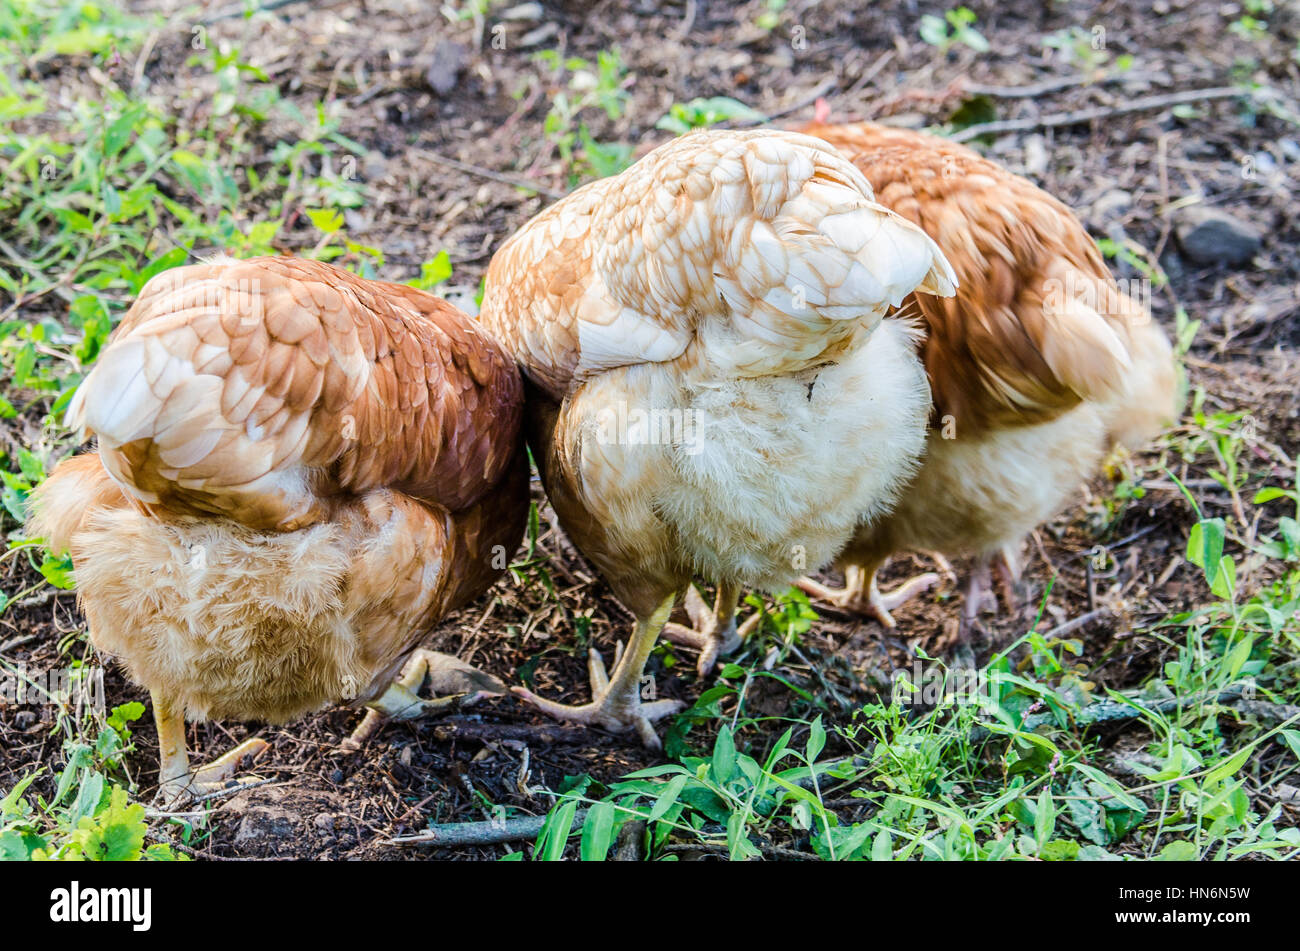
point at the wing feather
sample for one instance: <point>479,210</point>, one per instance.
<point>1031,331</point>
<point>768,239</point>
<point>256,389</point>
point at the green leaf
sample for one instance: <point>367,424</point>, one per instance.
<point>327,220</point>
<point>433,272</point>
<point>1292,738</point>
<point>1224,583</point>
<point>1228,767</point>
<point>723,767</point>
<point>597,832</point>
<point>555,831</point>
<point>57,570</point>
<point>14,847</point>
<point>78,758</point>
<point>164,262</point>
<point>882,847</point>
<point>738,845</point>
<point>1095,853</point>
<point>1238,656</point>
<point>9,805</point>
<point>1044,818</point>
<point>934,30</point>
<point>816,740</point>
<point>1205,546</point>
<point>668,797</point>
<point>125,713</point>
<point>1180,850</point>
<point>88,797</point>
<point>1059,850</point>
<point>31,466</point>
<point>24,363</point>
<point>118,834</point>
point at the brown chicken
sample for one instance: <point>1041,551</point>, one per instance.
<point>298,473</point>
<point>704,342</point>
<point>1038,364</point>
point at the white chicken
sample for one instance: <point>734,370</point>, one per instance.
<point>704,340</point>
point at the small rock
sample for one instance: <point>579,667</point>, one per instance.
<point>524,11</point>
<point>1035,156</point>
<point>1171,262</point>
<point>1108,209</point>
<point>780,58</point>
<point>1290,149</point>
<point>374,165</point>
<point>448,61</point>
<point>265,822</point>
<point>540,35</point>
<point>1210,236</point>
<point>324,821</point>
<point>336,776</point>
<point>1201,150</point>
<point>1264,164</point>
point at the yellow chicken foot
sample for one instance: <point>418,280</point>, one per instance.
<point>713,631</point>
<point>861,593</point>
<point>617,703</point>
<point>455,684</point>
<point>176,781</point>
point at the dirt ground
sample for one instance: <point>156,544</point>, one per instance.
<point>1121,172</point>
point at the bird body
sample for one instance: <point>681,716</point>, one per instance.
<point>737,283</point>
<point>1038,364</point>
<point>752,483</point>
<point>298,473</point>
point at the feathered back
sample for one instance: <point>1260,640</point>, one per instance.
<point>257,389</point>
<point>762,247</point>
<point>1038,324</point>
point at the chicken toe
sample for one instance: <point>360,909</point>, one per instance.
<point>454,683</point>
<point>623,700</point>
<point>177,783</point>
<point>862,594</point>
<point>713,631</point>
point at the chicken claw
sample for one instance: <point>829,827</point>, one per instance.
<point>980,595</point>
<point>713,631</point>
<point>862,594</point>
<point>617,703</point>
<point>177,783</point>
<point>455,685</point>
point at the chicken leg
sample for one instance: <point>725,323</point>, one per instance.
<point>455,684</point>
<point>1006,566</point>
<point>713,632</point>
<point>176,781</point>
<point>861,593</point>
<point>616,698</point>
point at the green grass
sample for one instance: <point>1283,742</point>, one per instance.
<point>97,197</point>
<point>1018,769</point>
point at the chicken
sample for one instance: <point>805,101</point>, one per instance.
<point>298,473</point>
<point>1038,364</point>
<point>704,341</point>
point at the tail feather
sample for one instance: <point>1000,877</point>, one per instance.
<point>60,505</point>
<point>1152,394</point>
